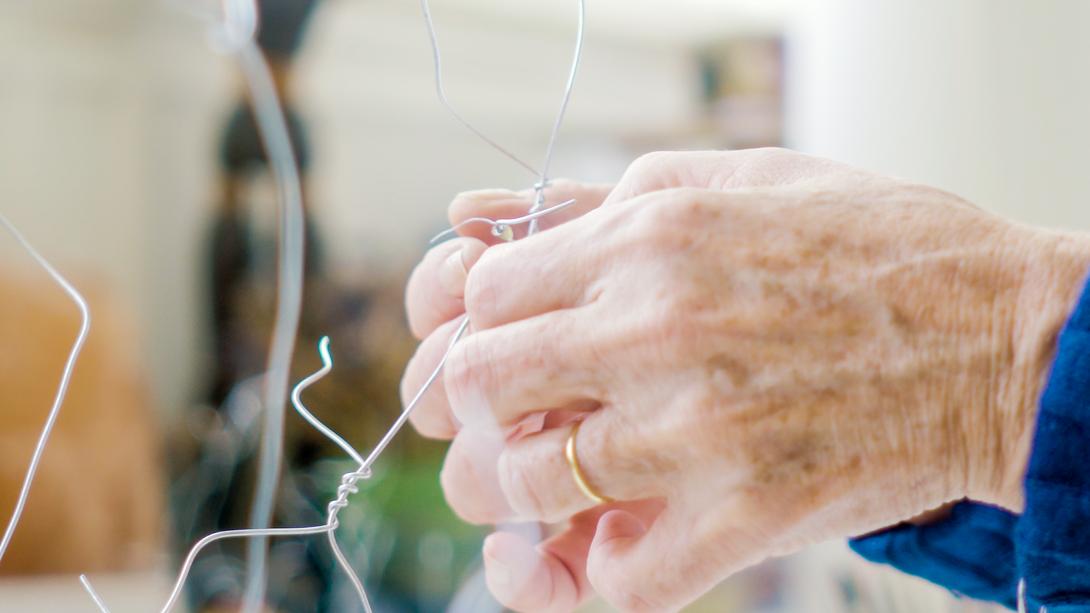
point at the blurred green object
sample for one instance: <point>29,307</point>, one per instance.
<point>399,531</point>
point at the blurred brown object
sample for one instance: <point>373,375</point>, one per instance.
<point>97,502</point>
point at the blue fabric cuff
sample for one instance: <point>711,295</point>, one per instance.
<point>982,552</point>
<point>971,552</point>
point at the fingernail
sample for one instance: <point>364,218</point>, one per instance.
<point>452,274</point>
<point>454,270</point>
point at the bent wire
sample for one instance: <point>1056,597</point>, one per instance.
<point>346,489</point>
<point>502,227</point>
<point>543,175</point>
<point>62,387</point>
<point>237,33</point>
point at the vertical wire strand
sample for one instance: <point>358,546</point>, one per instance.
<point>273,129</point>
<point>347,487</point>
<point>62,387</point>
<point>569,87</point>
<point>440,90</point>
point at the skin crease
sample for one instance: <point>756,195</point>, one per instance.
<point>767,349</point>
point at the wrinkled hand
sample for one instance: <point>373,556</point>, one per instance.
<point>766,349</point>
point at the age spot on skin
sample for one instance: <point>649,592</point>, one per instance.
<point>725,369</point>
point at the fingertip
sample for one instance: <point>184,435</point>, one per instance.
<point>455,267</point>
<point>617,527</point>
<point>478,203</point>
<point>436,425</point>
<point>523,578</point>
<point>488,204</point>
<point>469,480</point>
<point>431,414</point>
<point>428,300</point>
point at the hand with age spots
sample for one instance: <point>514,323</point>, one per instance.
<point>766,349</point>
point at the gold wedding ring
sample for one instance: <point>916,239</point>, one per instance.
<point>577,469</point>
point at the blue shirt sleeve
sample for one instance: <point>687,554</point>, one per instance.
<point>982,552</point>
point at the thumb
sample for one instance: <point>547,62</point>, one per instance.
<point>664,566</point>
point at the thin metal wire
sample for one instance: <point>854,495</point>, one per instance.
<point>440,90</point>
<point>62,387</point>
<point>347,488</point>
<point>239,28</point>
<point>297,402</point>
<point>237,34</point>
<point>101,604</point>
<point>503,226</point>
<point>543,175</point>
<point>502,223</point>
<point>577,56</point>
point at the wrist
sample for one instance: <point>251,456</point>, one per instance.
<point>1051,268</point>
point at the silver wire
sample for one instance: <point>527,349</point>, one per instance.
<point>101,604</point>
<point>187,565</point>
<point>577,56</point>
<point>543,175</point>
<point>297,402</point>
<point>62,387</point>
<point>237,34</point>
<point>346,489</point>
<point>440,90</point>
<point>239,29</point>
<point>416,399</point>
<point>496,223</point>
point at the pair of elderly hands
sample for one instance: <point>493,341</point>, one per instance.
<point>766,350</point>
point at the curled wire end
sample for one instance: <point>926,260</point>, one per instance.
<point>502,228</point>
<point>297,402</point>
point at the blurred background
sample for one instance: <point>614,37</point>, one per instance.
<point>128,157</point>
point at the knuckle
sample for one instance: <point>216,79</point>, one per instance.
<point>622,592</point>
<point>517,484</point>
<point>482,288</point>
<point>648,173</point>
<point>452,479</point>
<point>459,375</point>
<point>652,162</point>
<point>666,220</point>
<point>467,376</point>
<point>456,371</point>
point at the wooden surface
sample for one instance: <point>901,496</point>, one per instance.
<point>96,504</point>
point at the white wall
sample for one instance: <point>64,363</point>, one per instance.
<point>109,111</point>
<point>987,98</point>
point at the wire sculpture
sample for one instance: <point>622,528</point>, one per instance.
<point>62,387</point>
<point>234,33</point>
